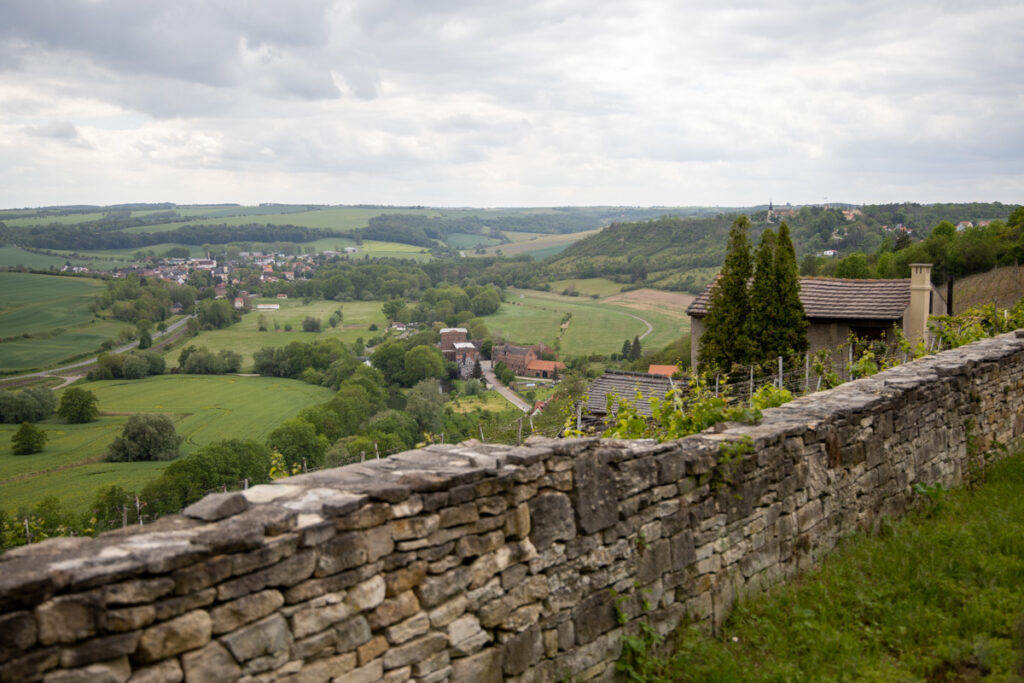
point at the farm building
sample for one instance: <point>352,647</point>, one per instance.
<point>663,370</point>
<point>837,308</point>
<point>544,369</point>
<point>518,358</point>
<point>450,336</point>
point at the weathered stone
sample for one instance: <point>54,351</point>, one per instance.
<point>237,613</point>
<point>212,664</point>
<point>30,667</point>
<point>318,617</point>
<point>129,618</point>
<point>352,633</point>
<point>265,637</point>
<point>596,496</point>
<point>216,506</point>
<point>394,610</point>
<point>446,613</point>
<point>551,519</point>
<point>273,552</point>
<point>98,650</point>
<point>594,616</point>
<point>523,651</point>
<point>178,635</point>
<point>436,589</point>
<point>232,535</point>
<point>167,671</point>
<point>309,648</point>
<point>367,595</point>
<point>414,651</point>
<point>19,634</point>
<point>172,607</point>
<point>285,573</point>
<point>113,671</point>
<point>432,664</point>
<point>414,527</point>
<point>342,552</point>
<point>654,561</point>
<point>403,579</point>
<point>368,673</point>
<point>138,591</point>
<point>66,619</point>
<point>454,516</point>
<point>366,517</point>
<point>398,675</point>
<point>372,649</point>
<point>473,546</point>
<point>416,625</point>
<point>312,588</point>
<point>203,575</point>
<point>484,667</point>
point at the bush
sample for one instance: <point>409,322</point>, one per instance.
<point>78,406</point>
<point>145,437</point>
<point>28,439</point>
<point>311,324</point>
<point>28,405</point>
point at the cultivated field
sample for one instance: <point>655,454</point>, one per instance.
<point>596,326</point>
<point>204,408</point>
<point>587,286</point>
<point>343,218</point>
<point>245,338</point>
<point>54,314</point>
<point>540,245</point>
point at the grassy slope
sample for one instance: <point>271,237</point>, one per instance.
<point>245,338</point>
<point>536,243</point>
<point>324,219</point>
<point>205,409</point>
<point>1002,286</point>
<point>937,597</point>
<point>531,317</point>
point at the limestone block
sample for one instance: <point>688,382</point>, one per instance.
<point>19,634</point>
<point>167,671</point>
<point>125,619</point>
<point>203,575</point>
<point>352,633</point>
<point>99,650</point>
<point>551,519</point>
<point>113,671</point>
<point>368,594</point>
<point>446,613</point>
<point>172,607</point>
<point>483,667</point>
<point>237,613</point>
<point>138,591</point>
<point>216,506</point>
<point>368,673</point>
<point>178,635</point>
<point>268,636</point>
<point>523,651</point>
<point>436,589</point>
<point>414,651</point>
<point>372,649</point>
<point>30,667</point>
<point>394,610</point>
<point>595,493</point>
<point>403,579</point>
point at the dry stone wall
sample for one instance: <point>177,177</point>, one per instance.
<point>481,562</point>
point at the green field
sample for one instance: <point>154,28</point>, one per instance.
<point>325,219</point>
<point>538,245</point>
<point>588,286</point>
<point>462,240</point>
<point>69,219</point>
<point>204,408</point>
<point>595,327</point>
<point>245,338</point>
<point>55,312</point>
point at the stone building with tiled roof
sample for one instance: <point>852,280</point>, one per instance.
<point>837,308</point>
<point>623,384</point>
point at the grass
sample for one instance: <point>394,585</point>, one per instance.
<point>1000,286</point>
<point>344,218</point>
<point>938,596</point>
<point>595,327</point>
<point>489,401</point>
<point>245,338</point>
<point>204,408</point>
<point>539,245</point>
<point>588,286</point>
<point>16,256</point>
<point>31,303</point>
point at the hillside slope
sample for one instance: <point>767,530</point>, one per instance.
<point>1002,286</point>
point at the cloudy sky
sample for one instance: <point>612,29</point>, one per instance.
<point>499,103</point>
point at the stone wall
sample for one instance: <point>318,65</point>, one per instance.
<point>481,562</point>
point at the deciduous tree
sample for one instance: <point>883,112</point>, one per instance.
<point>28,439</point>
<point>78,405</point>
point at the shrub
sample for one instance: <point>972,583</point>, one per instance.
<point>311,324</point>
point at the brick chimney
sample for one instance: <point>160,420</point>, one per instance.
<point>915,320</point>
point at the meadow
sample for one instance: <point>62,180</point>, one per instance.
<point>596,325</point>
<point>204,409</point>
<point>245,338</point>
<point>340,218</point>
<point>539,245</point>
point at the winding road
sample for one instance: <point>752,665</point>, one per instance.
<point>510,396</point>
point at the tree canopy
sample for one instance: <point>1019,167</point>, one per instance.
<point>78,405</point>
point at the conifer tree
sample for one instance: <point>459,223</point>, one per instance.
<point>725,341</point>
<point>635,351</point>
<point>764,304</point>
<point>792,323</point>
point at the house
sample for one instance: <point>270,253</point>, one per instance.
<point>350,250</point>
<point>282,295</point>
<point>466,357</point>
<point>837,308</point>
<point>663,370</point>
<point>544,369</point>
<point>239,302</point>
<point>963,225</point>
<point>450,336</point>
<point>518,357</point>
<point>637,388</point>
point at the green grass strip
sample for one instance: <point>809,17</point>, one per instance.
<point>937,596</point>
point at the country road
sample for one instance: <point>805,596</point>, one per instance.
<point>89,361</point>
<point>509,395</point>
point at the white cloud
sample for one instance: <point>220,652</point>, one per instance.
<point>496,103</point>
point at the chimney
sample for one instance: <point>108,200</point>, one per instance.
<point>915,320</point>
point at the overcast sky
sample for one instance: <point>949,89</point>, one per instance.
<point>501,103</point>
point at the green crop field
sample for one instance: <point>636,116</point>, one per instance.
<point>596,326</point>
<point>245,338</point>
<point>16,256</point>
<point>588,286</point>
<point>204,408</point>
<point>461,240</point>
<point>33,303</point>
<point>69,219</point>
<point>538,245</point>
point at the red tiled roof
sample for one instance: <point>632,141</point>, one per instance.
<point>545,365</point>
<point>838,299</point>
<point>664,370</point>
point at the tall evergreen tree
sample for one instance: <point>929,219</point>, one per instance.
<point>725,341</point>
<point>792,322</point>
<point>635,351</point>
<point>764,303</point>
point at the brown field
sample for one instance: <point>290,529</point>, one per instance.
<point>667,303</point>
